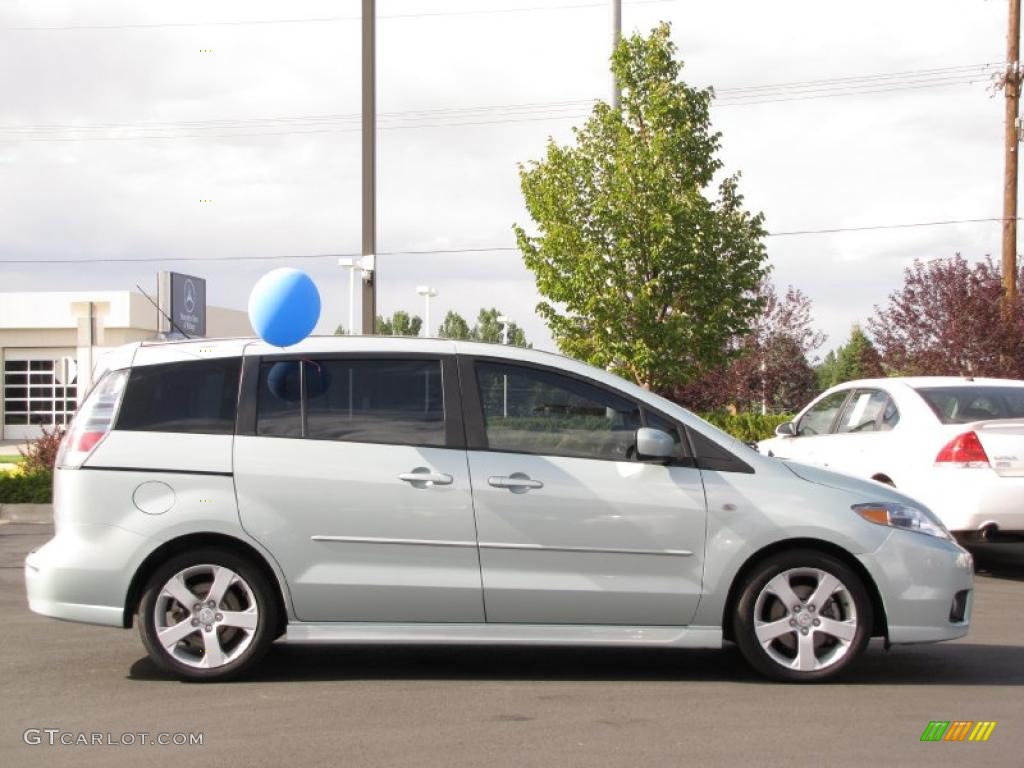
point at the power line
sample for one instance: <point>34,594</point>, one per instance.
<point>451,251</point>
<point>322,19</point>
<point>882,226</point>
<point>451,117</point>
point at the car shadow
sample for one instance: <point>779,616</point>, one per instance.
<point>943,664</point>
<point>1000,561</point>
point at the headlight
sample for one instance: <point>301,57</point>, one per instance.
<point>903,516</point>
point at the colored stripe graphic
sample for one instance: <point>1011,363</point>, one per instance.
<point>958,730</point>
<point>982,731</point>
<point>935,730</point>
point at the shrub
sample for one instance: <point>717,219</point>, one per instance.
<point>21,487</point>
<point>747,426</point>
<point>41,454</point>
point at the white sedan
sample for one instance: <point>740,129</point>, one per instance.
<point>956,444</point>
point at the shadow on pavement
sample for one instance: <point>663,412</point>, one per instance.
<point>1001,561</point>
<point>943,664</point>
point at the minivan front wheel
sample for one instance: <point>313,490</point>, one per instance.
<point>802,615</point>
<point>207,615</point>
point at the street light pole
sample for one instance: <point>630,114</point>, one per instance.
<point>369,165</point>
<point>351,265</point>
<point>427,293</point>
<point>504,320</point>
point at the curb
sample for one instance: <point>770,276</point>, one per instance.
<point>26,513</point>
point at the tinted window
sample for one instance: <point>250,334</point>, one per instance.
<point>198,396</point>
<point>527,410</point>
<point>818,420</point>
<point>865,410</point>
<point>368,401</point>
<point>279,400</point>
<point>376,401</point>
<point>963,404</point>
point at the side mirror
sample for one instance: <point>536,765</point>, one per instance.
<point>654,444</point>
<point>786,430</point>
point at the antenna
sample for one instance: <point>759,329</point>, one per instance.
<point>165,315</point>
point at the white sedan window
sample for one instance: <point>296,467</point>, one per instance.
<point>863,411</point>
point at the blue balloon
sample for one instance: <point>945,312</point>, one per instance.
<point>284,307</point>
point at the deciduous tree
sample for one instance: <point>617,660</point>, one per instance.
<point>947,320</point>
<point>643,266</point>
<point>399,324</point>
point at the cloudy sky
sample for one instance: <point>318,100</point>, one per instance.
<point>117,119</point>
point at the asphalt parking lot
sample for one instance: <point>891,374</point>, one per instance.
<point>386,706</point>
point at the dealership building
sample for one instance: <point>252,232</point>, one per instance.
<point>51,342</point>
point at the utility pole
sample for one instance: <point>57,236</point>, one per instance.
<point>369,166</point>
<point>1011,90</point>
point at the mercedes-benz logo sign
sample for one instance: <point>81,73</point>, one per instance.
<point>190,296</point>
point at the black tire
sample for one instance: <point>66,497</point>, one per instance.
<point>259,593</point>
<point>850,606</point>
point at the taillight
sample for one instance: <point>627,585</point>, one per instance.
<point>963,450</point>
<point>93,421</point>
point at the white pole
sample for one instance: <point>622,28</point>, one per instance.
<point>351,265</point>
<point>427,293</point>
<point>351,301</point>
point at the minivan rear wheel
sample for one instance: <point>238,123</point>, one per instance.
<point>207,614</point>
<point>802,616</point>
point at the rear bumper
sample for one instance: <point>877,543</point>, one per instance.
<point>970,499</point>
<point>82,574</point>
<point>918,578</point>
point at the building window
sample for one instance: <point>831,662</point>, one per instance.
<point>34,396</point>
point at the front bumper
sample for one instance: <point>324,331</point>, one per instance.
<point>918,578</point>
<point>83,574</point>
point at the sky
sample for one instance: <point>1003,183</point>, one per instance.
<point>206,130</point>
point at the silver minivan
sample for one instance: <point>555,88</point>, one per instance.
<point>225,493</point>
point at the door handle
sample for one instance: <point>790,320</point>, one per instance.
<point>422,477</point>
<point>517,482</point>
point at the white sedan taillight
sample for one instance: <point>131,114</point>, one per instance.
<point>93,421</point>
<point>964,450</point>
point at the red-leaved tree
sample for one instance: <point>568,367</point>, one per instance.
<point>773,364</point>
<point>948,320</point>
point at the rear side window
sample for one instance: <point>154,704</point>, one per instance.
<point>396,402</point>
<point>869,410</point>
<point>964,404</point>
<point>197,397</point>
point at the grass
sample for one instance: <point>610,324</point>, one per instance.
<point>12,458</point>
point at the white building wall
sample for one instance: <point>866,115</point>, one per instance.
<point>53,325</point>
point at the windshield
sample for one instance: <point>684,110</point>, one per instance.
<point>967,403</point>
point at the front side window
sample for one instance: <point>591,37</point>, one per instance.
<point>869,410</point>
<point>397,402</point>
<point>528,410</point>
<point>196,396</point>
<point>819,420</point>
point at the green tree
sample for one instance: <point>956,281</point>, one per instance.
<point>454,326</point>
<point>642,266</point>
<point>399,324</point>
<point>856,359</point>
<point>340,330</point>
<point>489,329</point>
